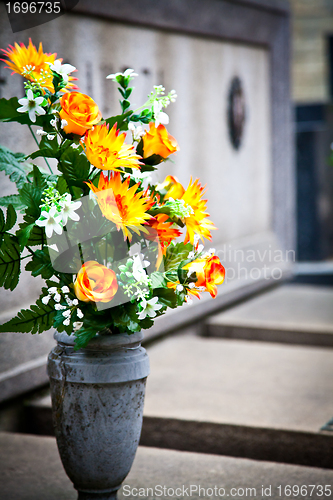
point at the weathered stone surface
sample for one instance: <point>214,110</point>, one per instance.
<point>30,469</point>
<point>296,314</point>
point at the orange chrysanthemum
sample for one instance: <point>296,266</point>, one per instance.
<point>197,222</point>
<point>22,58</point>
<point>106,149</point>
<point>121,204</point>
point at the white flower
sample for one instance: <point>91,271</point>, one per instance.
<point>69,301</point>
<point>64,123</point>
<point>137,132</point>
<point>62,69</point>
<point>68,208</point>
<point>179,288</point>
<point>75,146</point>
<point>149,308</point>
<point>75,302</point>
<point>138,268</point>
<point>51,222</point>
<point>53,122</point>
<point>46,299</point>
<point>31,105</point>
<point>40,131</point>
<point>57,297</point>
<point>79,313</point>
<point>59,307</point>
<point>53,289</point>
<point>188,300</point>
<point>66,322</point>
<point>159,115</point>
<point>50,137</point>
<point>190,255</point>
<point>127,72</point>
<point>191,285</point>
<point>65,289</point>
<point>67,313</point>
<point>77,325</point>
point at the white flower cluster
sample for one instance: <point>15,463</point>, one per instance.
<point>56,210</point>
<point>62,294</point>
<point>139,281</point>
<point>128,73</point>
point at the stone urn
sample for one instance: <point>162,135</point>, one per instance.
<point>97,405</point>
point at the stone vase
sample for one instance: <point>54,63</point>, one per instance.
<point>97,405</point>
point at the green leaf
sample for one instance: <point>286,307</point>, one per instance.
<point>12,164</point>
<point>167,297</point>
<point>121,121</point>
<point>175,254</point>
<point>12,199</point>
<point>40,264</point>
<point>75,167</point>
<point>31,194</point>
<point>10,262</point>
<point>83,335</point>
<point>37,319</point>
<point>157,280</point>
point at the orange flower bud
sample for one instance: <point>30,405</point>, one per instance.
<point>157,141</point>
<point>95,283</point>
<point>80,112</point>
<point>210,273</point>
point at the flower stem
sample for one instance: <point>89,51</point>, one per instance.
<point>33,135</point>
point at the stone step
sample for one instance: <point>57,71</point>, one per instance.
<point>293,314</point>
<point>30,469</point>
<point>231,397</point>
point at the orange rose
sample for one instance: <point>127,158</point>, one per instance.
<point>95,283</point>
<point>209,271</point>
<point>80,112</point>
<point>157,141</point>
<point>174,188</point>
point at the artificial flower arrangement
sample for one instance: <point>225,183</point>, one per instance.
<point>103,236</point>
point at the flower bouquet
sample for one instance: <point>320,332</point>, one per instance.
<point>116,248</point>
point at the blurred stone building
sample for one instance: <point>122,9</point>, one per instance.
<point>312,92</point>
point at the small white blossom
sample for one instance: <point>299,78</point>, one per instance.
<point>190,255</point>
<point>127,72</point>
<point>179,288</point>
<point>57,297</point>
<point>46,299</point>
<point>75,146</point>
<point>65,289</point>
<point>188,300</point>
<point>50,137</point>
<point>69,301</point>
<point>62,69</point>
<point>64,123</point>
<point>159,115</point>
<point>66,322</point>
<point>200,248</point>
<point>149,308</point>
<point>53,122</point>
<point>31,105</point>
<point>77,325</point>
<point>138,268</point>
<point>68,208</point>
<point>79,313</point>
<point>67,313</point>
<point>75,302</point>
<point>191,285</point>
<point>40,131</point>
<point>51,221</point>
<point>137,131</point>
<point>59,307</point>
<point>53,289</point>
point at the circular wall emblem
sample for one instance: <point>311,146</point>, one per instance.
<point>236,112</point>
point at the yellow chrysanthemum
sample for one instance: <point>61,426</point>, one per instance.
<point>106,150</point>
<point>32,64</point>
<point>121,204</point>
<point>197,222</point>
